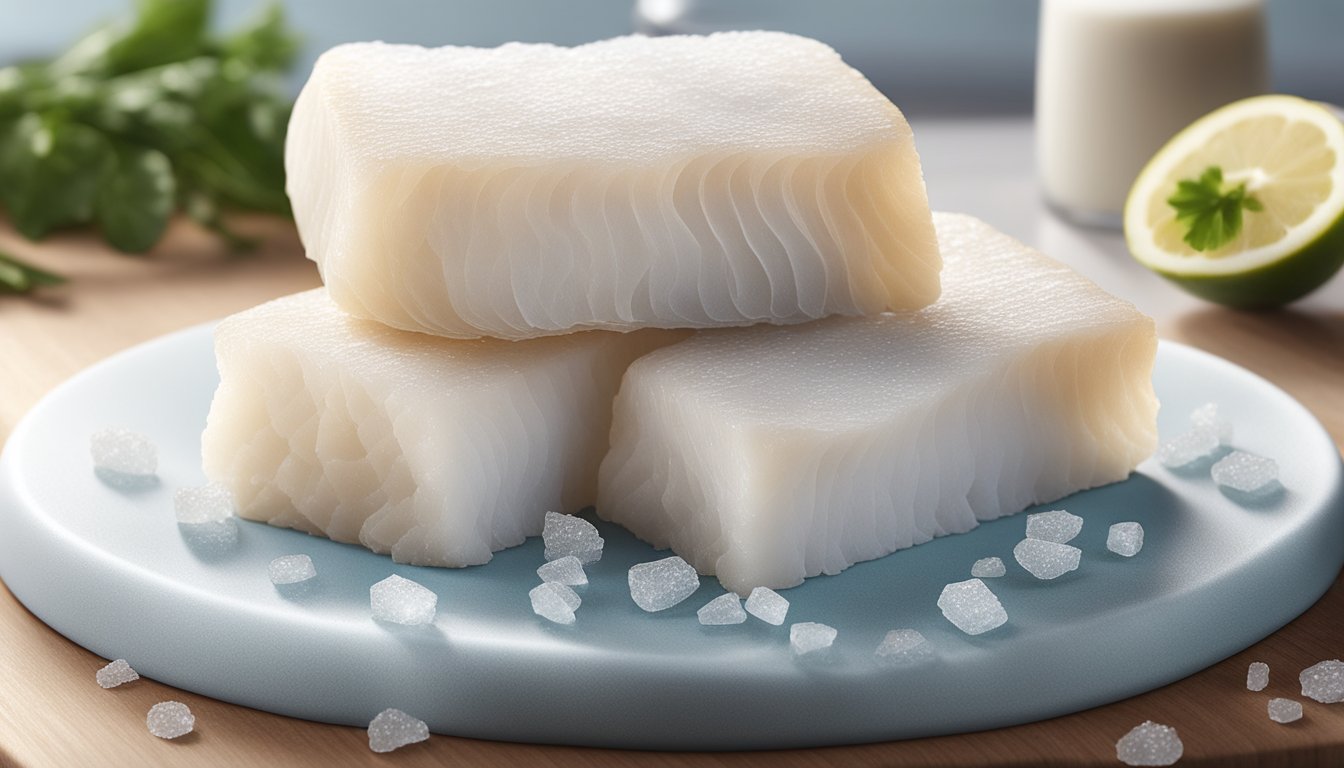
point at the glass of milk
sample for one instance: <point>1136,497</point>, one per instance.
<point>1116,78</point>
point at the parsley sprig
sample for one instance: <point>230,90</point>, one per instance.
<point>140,120</point>
<point>1211,214</point>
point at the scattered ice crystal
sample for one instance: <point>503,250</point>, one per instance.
<point>210,539</point>
<point>1188,447</point>
<point>1056,525</point>
<point>393,729</point>
<point>402,601</point>
<point>571,535</point>
<point>972,607</point>
<point>122,457</point>
<point>567,570</point>
<point>767,605</point>
<point>1285,710</point>
<point>1046,559</point>
<point>1245,472</point>
<point>569,596</point>
<point>209,503</point>
<point>291,569</point>
<point>555,602</point>
<point>117,673</point>
<point>810,637</point>
<point>1257,676</point>
<point>988,568</point>
<point>904,645</point>
<point>1125,539</point>
<point>170,719</point>
<point>662,584</point>
<point>1324,682</point>
<point>1207,417</point>
<point>1150,744</point>
<point>724,609</point>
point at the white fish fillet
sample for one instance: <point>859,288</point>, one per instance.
<point>765,455</point>
<point>436,451</point>
<point>672,182</point>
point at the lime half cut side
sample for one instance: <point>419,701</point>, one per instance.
<point>1289,155</point>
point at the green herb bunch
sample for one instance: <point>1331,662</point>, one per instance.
<point>139,121</point>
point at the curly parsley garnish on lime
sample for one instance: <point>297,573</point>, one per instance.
<point>1245,207</point>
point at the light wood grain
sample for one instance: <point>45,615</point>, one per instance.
<point>52,713</point>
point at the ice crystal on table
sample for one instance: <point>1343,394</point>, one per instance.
<point>119,672</point>
<point>170,719</point>
<point>394,729</point>
<point>809,637</point>
<point>972,607</point>
<point>1284,710</point>
<point>724,609</point>
<point>1324,682</point>
<point>571,535</point>
<point>661,584</point>
<point>1245,472</point>
<point>988,568</point>
<point>402,601</point>
<point>1150,744</point>
<point>291,569</point>
<point>567,570</point>
<point>1056,525</point>
<point>1046,559</point>
<point>1125,539</point>
<point>767,605</point>
<point>555,601</point>
<point>1257,676</point>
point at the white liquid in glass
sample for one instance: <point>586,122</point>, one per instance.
<point>1115,79</point>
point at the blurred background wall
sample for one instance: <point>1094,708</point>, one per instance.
<point>930,56</point>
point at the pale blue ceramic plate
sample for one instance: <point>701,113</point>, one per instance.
<point>112,571</point>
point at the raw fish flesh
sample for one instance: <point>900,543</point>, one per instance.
<point>436,451</point>
<point>672,182</point>
<point>765,455</point>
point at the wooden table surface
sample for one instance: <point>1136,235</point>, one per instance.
<point>52,713</point>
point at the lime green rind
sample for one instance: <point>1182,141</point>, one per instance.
<point>1275,284</point>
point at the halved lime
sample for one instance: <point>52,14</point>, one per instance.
<point>1286,155</point>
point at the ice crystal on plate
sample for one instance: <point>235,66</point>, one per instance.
<point>402,601</point>
<point>661,584</point>
<point>972,607</point>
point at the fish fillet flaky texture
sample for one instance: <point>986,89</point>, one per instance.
<point>436,451</point>
<point>673,182</point>
<point>766,455</point>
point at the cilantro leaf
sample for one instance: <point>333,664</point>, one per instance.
<point>1211,214</point>
<point>136,196</point>
<point>265,44</point>
<point>143,119</point>
<point>49,171</point>
<point>163,31</point>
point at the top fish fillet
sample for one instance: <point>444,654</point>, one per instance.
<point>766,455</point>
<point>673,182</point>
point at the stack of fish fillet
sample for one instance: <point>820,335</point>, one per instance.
<point>693,280</point>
